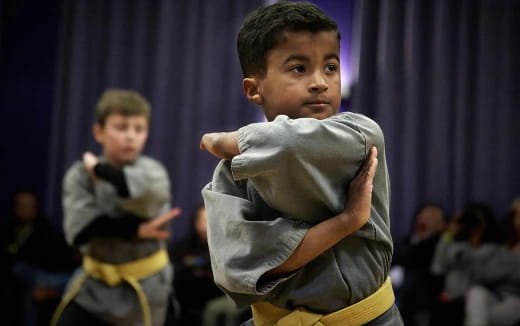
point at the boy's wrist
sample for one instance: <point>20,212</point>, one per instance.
<point>349,222</point>
<point>113,175</point>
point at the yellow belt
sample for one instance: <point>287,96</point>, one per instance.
<point>113,274</point>
<point>373,306</point>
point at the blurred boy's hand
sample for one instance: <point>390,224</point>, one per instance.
<point>90,160</point>
<point>154,229</point>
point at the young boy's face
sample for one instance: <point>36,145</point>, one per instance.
<point>303,77</point>
<point>122,137</point>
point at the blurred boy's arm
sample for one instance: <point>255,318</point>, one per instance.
<point>126,227</point>
<point>107,172</point>
<point>223,145</point>
<point>83,217</point>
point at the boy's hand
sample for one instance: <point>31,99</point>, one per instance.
<point>357,207</point>
<point>154,229</point>
<point>90,160</point>
<point>223,145</point>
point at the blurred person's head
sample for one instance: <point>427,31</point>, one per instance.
<point>477,224</point>
<point>25,206</point>
<point>121,127</point>
<point>429,220</point>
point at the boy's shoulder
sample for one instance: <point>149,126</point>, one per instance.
<point>353,117</point>
<point>76,174</point>
<point>359,120</point>
<point>144,162</point>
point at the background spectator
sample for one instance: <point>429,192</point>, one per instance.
<point>413,256</point>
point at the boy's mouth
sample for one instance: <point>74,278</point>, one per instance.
<point>128,150</point>
<point>317,101</point>
<point>318,104</point>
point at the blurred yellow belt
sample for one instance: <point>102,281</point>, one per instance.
<point>113,274</point>
<point>373,306</point>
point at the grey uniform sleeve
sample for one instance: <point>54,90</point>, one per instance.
<point>246,238</point>
<point>79,202</point>
<point>303,166</point>
<point>149,188</point>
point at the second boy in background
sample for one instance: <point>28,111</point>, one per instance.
<point>115,210</point>
<point>284,234</point>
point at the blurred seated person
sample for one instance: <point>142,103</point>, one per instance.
<point>413,257</point>
<point>193,281</point>
<point>469,240</point>
<point>36,260</point>
<point>222,311</point>
<point>495,298</point>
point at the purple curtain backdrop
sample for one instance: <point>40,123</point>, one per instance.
<point>28,41</point>
<point>443,80</point>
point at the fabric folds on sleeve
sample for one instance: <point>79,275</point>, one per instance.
<point>244,241</point>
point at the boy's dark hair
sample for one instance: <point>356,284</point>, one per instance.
<point>262,29</point>
<point>122,101</point>
<point>477,215</point>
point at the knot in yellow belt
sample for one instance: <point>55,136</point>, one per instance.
<point>373,306</point>
<point>113,274</point>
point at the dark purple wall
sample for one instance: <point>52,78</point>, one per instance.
<point>28,47</point>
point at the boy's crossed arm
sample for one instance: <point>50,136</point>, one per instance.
<point>326,234</point>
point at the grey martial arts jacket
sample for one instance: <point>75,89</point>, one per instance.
<point>290,175</point>
<point>83,201</point>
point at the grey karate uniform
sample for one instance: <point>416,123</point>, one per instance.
<point>83,201</point>
<point>290,175</point>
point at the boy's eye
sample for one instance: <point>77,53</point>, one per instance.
<point>298,68</point>
<point>139,129</point>
<point>331,67</point>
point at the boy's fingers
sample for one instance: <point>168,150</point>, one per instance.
<point>369,164</point>
<point>166,217</point>
<point>174,212</point>
<point>162,235</point>
<point>372,169</point>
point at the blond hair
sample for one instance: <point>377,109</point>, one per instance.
<point>122,101</point>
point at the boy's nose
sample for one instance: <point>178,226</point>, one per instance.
<point>318,83</point>
<point>130,134</point>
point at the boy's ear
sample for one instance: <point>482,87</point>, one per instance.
<point>97,130</point>
<point>252,91</point>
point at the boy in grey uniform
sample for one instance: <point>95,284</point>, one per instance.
<point>284,235</point>
<point>115,208</point>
